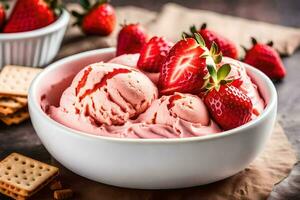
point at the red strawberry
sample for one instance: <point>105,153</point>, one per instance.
<point>131,39</point>
<point>227,47</point>
<point>184,68</point>
<point>228,105</point>
<point>98,19</point>
<point>3,7</point>
<point>266,59</point>
<point>153,54</point>
<point>29,15</point>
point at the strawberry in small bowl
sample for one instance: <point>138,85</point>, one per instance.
<point>32,34</point>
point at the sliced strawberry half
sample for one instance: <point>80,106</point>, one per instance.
<point>184,68</point>
<point>153,54</point>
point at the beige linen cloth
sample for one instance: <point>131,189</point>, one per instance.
<point>257,180</point>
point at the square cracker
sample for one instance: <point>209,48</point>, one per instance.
<point>4,111</point>
<point>15,118</point>
<point>15,80</point>
<point>10,103</point>
<point>21,177</point>
<point>11,194</point>
<point>21,100</point>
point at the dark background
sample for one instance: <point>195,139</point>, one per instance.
<point>285,12</point>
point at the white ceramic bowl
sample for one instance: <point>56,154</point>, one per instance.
<point>146,163</point>
<point>35,48</point>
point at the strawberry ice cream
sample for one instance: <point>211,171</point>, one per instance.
<point>108,94</point>
<point>186,113</point>
<point>175,116</point>
<point>131,61</point>
<point>167,109</point>
<point>115,99</point>
<point>120,101</point>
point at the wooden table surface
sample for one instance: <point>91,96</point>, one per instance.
<point>23,139</point>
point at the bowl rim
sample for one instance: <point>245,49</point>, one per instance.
<point>62,21</point>
<point>34,105</point>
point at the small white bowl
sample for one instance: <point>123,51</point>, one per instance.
<point>35,48</point>
<point>146,163</point>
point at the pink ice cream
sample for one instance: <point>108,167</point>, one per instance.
<point>131,61</point>
<point>120,101</point>
<point>175,116</point>
<point>167,109</point>
<point>186,113</point>
<point>116,99</point>
<point>108,94</point>
<point>238,71</point>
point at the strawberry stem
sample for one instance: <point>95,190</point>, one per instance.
<point>270,43</point>
<point>244,48</point>
<point>85,4</point>
<point>184,36</point>
<point>4,4</point>
<point>204,25</point>
<point>199,39</point>
<point>193,29</point>
<point>253,40</point>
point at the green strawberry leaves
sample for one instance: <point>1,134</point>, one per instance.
<point>85,4</point>
<point>199,39</point>
<point>213,72</point>
<point>215,76</point>
<point>55,5</point>
<point>223,72</point>
<point>214,49</point>
<point>215,53</point>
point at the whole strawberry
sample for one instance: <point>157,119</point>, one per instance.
<point>266,59</point>
<point>29,15</point>
<point>131,39</point>
<point>98,19</point>
<point>185,68</point>
<point>227,47</point>
<point>153,54</point>
<point>228,105</point>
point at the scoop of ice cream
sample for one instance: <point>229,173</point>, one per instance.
<point>182,112</point>
<point>184,106</point>
<point>245,84</point>
<point>131,61</point>
<point>107,93</point>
